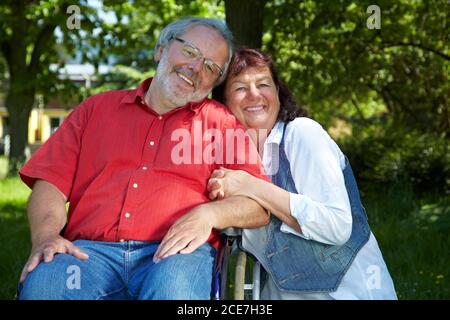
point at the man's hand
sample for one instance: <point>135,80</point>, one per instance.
<point>46,250</point>
<point>186,234</point>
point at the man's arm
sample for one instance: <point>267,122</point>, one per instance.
<point>47,217</point>
<point>46,211</point>
<point>237,211</point>
<point>194,228</point>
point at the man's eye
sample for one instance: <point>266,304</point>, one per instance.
<point>190,52</point>
<point>209,68</point>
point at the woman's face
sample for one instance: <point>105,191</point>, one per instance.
<point>253,98</point>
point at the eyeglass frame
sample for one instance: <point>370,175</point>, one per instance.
<point>200,54</point>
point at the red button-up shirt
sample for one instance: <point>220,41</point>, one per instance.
<point>118,163</point>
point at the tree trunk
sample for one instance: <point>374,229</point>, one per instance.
<point>19,106</point>
<point>245,20</point>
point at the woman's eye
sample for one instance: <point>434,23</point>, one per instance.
<point>239,89</point>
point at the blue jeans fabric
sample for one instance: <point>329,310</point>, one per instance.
<point>122,270</point>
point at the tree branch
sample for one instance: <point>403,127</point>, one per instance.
<point>416,45</point>
<point>44,38</point>
<point>42,42</point>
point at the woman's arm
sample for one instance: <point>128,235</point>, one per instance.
<point>321,204</point>
<point>225,183</point>
<point>321,207</point>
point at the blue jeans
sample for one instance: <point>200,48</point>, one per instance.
<point>122,270</point>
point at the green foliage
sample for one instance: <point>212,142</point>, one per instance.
<point>389,155</point>
<point>29,44</point>
<point>330,58</point>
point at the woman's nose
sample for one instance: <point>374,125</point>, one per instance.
<point>253,92</point>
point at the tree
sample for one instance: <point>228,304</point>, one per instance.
<point>342,69</point>
<point>27,30</point>
<point>245,20</point>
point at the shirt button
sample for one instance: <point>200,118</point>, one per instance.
<point>122,240</point>
<point>160,117</point>
<point>127,215</point>
<point>135,185</point>
<point>144,168</point>
<point>152,143</point>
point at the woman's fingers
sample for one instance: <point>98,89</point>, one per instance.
<point>218,173</point>
<point>214,184</point>
<point>217,194</point>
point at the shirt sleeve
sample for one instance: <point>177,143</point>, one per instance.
<point>56,160</point>
<point>240,153</point>
<point>321,206</point>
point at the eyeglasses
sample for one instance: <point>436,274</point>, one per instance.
<point>191,52</point>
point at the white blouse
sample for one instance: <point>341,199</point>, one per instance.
<point>322,208</point>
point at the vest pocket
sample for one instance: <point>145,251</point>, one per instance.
<point>332,259</point>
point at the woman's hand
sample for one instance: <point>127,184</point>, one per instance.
<point>224,183</point>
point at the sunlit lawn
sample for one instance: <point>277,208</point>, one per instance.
<point>14,234</point>
<point>413,235</point>
<point>415,241</point>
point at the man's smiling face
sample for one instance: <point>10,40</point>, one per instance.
<point>182,79</point>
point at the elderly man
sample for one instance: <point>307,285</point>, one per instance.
<point>140,225</point>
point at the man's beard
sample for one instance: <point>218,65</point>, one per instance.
<point>169,90</point>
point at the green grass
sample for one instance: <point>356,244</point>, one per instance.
<point>413,236</point>
<point>14,234</point>
<point>3,167</point>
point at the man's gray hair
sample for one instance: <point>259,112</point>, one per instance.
<point>180,27</point>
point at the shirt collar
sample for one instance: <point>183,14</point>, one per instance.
<point>276,134</point>
<point>138,95</point>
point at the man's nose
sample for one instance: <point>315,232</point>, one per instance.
<point>196,65</point>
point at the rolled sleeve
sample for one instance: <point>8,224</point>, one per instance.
<point>56,160</point>
<point>321,205</point>
<point>297,204</point>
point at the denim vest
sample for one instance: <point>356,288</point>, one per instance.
<point>297,264</point>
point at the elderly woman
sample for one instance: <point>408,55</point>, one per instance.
<point>318,244</point>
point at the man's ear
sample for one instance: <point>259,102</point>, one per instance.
<point>158,53</point>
